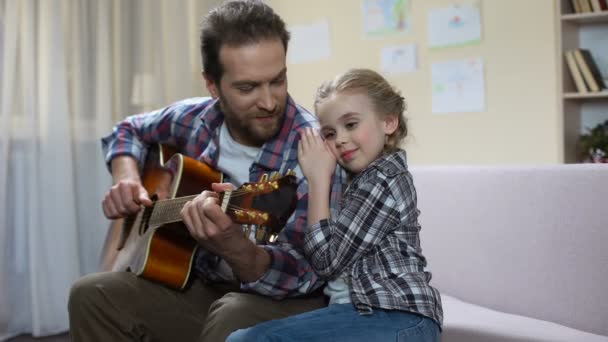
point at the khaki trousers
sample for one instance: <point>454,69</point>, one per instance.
<point>119,306</point>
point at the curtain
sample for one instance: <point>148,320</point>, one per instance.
<point>68,70</point>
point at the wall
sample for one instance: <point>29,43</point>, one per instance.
<point>520,124</point>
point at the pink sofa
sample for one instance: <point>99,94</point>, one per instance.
<point>518,253</point>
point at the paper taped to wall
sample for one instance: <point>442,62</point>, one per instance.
<point>458,86</point>
<point>399,59</point>
<point>454,26</point>
<point>309,43</point>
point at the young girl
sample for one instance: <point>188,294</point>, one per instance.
<point>370,251</point>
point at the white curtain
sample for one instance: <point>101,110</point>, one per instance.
<point>68,70</point>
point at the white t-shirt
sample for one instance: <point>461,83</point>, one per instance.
<point>337,290</point>
<point>235,159</point>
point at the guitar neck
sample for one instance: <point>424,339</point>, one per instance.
<point>168,210</point>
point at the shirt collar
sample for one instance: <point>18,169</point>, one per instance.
<point>271,156</point>
<point>392,163</point>
<point>212,115</point>
<point>273,149</point>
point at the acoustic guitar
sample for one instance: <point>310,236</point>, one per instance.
<point>156,245</point>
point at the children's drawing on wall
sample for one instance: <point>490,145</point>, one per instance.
<point>309,43</point>
<point>398,59</point>
<point>458,86</point>
<point>454,25</point>
<point>385,17</point>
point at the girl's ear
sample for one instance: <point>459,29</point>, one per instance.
<point>391,122</point>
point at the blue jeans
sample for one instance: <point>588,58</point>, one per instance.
<point>342,322</point>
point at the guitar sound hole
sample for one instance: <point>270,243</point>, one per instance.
<point>145,217</point>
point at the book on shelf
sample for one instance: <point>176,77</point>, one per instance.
<point>599,5</point>
<point>588,68</point>
<point>575,73</point>
<point>585,6</point>
<point>588,6</point>
<point>576,6</point>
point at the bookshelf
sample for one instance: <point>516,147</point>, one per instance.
<point>580,110</point>
<point>584,18</point>
<point>589,96</point>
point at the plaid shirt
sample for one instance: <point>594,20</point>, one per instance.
<point>374,243</point>
<point>193,126</point>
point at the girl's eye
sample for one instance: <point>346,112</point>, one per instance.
<point>328,135</point>
<point>351,125</point>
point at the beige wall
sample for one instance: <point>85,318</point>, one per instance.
<point>520,125</point>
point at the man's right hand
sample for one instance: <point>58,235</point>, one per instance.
<point>127,195</point>
<point>125,198</point>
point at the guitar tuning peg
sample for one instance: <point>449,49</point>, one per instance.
<point>291,172</point>
<point>264,178</point>
<point>274,175</point>
<point>274,185</point>
<point>264,216</point>
<point>273,238</point>
<point>260,233</point>
<point>252,215</point>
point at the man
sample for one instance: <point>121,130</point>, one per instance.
<point>248,127</point>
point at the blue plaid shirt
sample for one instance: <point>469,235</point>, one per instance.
<point>193,127</point>
<point>373,242</point>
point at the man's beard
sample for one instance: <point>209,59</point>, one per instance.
<point>253,135</point>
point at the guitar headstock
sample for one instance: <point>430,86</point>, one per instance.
<point>268,204</point>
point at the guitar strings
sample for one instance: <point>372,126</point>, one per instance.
<point>167,208</point>
<point>236,207</point>
<point>234,193</point>
<point>175,206</point>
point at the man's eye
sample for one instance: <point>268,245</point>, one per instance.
<point>279,81</point>
<point>351,125</point>
<point>245,89</point>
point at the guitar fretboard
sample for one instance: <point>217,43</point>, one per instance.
<point>167,211</point>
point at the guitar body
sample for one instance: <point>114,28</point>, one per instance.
<point>156,245</point>
<point>163,253</point>
<point>120,228</point>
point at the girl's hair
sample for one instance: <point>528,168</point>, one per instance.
<point>385,98</point>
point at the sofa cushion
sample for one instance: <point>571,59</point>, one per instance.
<point>465,322</point>
<point>526,240</point>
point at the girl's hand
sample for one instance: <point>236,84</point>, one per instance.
<point>316,160</point>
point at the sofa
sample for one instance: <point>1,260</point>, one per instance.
<point>519,253</point>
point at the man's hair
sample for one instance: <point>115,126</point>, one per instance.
<point>386,99</point>
<point>236,23</point>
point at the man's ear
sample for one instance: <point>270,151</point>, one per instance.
<point>391,122</point>
<point>212,86</point>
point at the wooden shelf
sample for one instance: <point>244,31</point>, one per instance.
<point>586,96</point>
<point>586,18</point>
<point>579,31</point>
